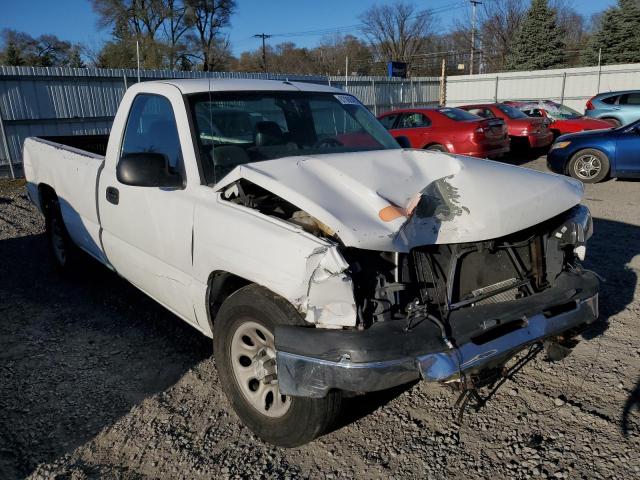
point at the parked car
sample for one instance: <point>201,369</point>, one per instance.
<point>282,220</point>
<point>594,155</point>
<point>449,130</point>
<point>617,108</point>
<point>524,131</point>
<point>562,119</point>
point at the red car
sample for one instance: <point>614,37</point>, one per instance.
<point>449,130</point>
<point>562,119</point>
<point>524,131</point>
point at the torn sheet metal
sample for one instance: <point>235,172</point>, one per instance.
<point>330,300</point>
<point>368,198</point>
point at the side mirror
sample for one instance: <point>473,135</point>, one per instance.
<point>403,141</point>
<point>146,169</point>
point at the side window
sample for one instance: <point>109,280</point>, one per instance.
<point>482,112</point>
<point>534,112</point>
<point>630,99</point>
<point>414,120</point>
<point>151,127</point>
<point>610,100</point>
<point>389,120</point>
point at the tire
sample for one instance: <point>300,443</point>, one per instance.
<point>244,325</point>
<point>437,148</point>
<point>64,253</point>
<point>589,165</point>
<point>615,123</point>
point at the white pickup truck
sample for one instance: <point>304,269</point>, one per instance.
<point>282,220</point>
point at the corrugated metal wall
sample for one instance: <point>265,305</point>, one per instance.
<point>571,86</point>
<point>68,101</point>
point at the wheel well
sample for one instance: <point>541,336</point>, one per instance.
<point>435,143</point>
<point>46,194</point>
<point>609,117</point>
<point>220,286</point>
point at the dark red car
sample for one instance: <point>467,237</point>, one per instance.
<point>449,130</point>
<point>561,118</point>
<point>524,131</point>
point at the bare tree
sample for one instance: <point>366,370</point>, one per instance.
<point>499,22</point>
<point>175,27</point>
<point>397,31</point>
<point>208,18</point>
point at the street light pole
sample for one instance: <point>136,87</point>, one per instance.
<point>263,36</point>
<point>474,4</point>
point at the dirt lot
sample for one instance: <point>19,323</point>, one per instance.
<point>96,380</point>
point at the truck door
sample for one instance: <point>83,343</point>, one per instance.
<point>147,231</point>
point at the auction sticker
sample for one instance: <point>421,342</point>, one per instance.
<point>347,99</point>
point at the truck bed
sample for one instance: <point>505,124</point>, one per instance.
<point>70,166</point>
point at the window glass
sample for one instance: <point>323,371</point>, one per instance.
<point>630,99</point>
<point>151,127</point>
<point>414,120</point>
<point>457,114</point>
<point>510,111</point>
<point>481,112</point>
<point>610,100</point>
<point>389,120</point>
<point>234,128</point>
<point>534,112</point>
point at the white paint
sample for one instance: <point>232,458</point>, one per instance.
<point>168,242</point>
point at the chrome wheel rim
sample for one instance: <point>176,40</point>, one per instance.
<point>253,360</point>
<point>57,241</point>
<point>587,166</point>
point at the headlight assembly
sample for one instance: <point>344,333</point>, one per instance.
<point>560,145</point>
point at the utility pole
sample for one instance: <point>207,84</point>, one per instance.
<point>474,4</point>
<point>263,36</point>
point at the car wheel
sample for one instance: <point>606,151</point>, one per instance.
<point>64,253</point>
<point>589,165</point>
<point>613,121</point>
<point>437,148</point>
<point>245,358</point>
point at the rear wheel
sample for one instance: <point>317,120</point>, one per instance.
<point>436,148</point>
<point>589,165</point>
<point>245,357</point>
<point>64,252</point>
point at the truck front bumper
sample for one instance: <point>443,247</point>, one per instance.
<point>360,364</point>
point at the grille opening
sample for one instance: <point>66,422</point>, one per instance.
<point>558,309</point>
<point>498,331</point>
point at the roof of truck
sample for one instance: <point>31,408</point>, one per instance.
<point>200,85</point>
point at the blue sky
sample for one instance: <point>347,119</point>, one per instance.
<point>74,20</point>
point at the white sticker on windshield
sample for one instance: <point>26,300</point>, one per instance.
<point>347,99</point>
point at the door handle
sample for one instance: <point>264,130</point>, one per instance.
<point>113,195</point>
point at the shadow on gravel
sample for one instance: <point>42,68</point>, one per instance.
<point>610,250</point>
<point>77,354</point>
<point>632,404</point>
<point>520,156</point>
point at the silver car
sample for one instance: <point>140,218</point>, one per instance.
<point>619,108</point>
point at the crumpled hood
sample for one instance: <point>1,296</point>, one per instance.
<point>366,197</point>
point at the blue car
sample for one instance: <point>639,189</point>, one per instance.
<point>618,108</point>
<point>592,155</point>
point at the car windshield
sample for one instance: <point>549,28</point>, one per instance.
<point>561,112</point>
<point>234,128</point>
<point>458,114</point>
<point>511,112</point>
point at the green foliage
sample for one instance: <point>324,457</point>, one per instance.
<point>618,35</point>
<point>12,56</point>
<point>19,48</point>
<point>539,43</point>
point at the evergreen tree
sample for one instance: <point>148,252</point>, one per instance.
<point>12,55</point>
<point>618,35</point>
<point>539,43</point>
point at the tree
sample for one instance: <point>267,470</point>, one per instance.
<point>19,48</point>
<point>617,35</point>
<point>208,18</point>
<point>398,31</point>
<point>539,43</point>
<point>11,56</point>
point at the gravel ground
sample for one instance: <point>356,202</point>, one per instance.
<point>96,380</point>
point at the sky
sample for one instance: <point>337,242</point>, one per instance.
<point>287,20</point>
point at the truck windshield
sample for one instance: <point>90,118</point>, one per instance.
<point>234,128</point>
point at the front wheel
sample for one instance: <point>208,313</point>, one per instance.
<point>589,165</point>
<point>245,358</point>
<point>437,148</point>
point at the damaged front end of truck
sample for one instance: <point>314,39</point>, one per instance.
<point>435,267</point>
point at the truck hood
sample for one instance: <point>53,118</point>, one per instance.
<point>394,200</point>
